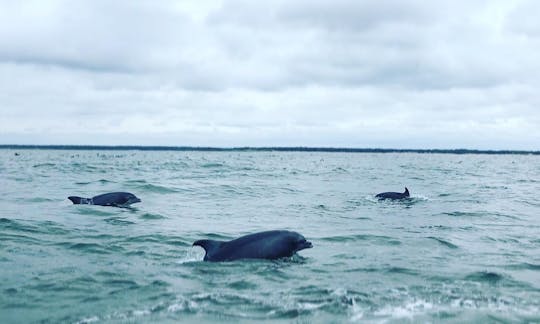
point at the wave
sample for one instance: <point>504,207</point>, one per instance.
<point>85,247</point>
<point>465,214</point>
<point>44,165</point>
<point>212,165</point>
<point>123,283</point>
<point>161,239</point>
<point>118,221</point>
<point>438,227</point>
<point>40,227</point>
<point>379,239</point>
<point>444,242</point>
<point>480,214</point>
<point>20,239</point>
<point>328,306</point>
<point>524,266</point>
<point>385,269</point>
<point>485,276</point>
<point>136,181</point>
<point>155,188</point>
<point>242,285</point>
<point>90,247</point>
<point>151,216</point>
<point>214,236</point>
<point>35,200</point>
<point>213,306</point>
<point>100,181</point>
<point>76,166</point>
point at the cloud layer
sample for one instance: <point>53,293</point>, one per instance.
<point>403,74</point>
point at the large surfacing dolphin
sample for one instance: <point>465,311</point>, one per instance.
<point>264,245</point>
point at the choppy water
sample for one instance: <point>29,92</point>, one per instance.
<point>465,248</point>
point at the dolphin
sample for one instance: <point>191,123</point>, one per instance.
<point>394,195</point>
<point>264,245</point>
<point>116,199</point>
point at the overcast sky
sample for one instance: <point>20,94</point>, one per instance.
<point>359,73</point>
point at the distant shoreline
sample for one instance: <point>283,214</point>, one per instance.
<point>263,149</point>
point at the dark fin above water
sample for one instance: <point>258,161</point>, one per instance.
<point>209,246</point>
<point>406,193</point>
<point>78,200</point>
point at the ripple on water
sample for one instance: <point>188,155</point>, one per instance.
<point>19,239</point>
<point>321,305</point>
<point>377,239</point>
<point>100,181</point>
<point>40,227</point>
<point>155,188</point>
<point>136,181</point>
<point>465,214</point>
<point>119,221</point>
<point>288,304</point>
<point>121,283</point>
<point>161,239</point>
<point>438,227</point>
<point>151,216</point>
<point>9,224</point>
<point>242,285</point>
<point>44,165</point>
<point>485,277</point>
<point>444,242</point>
<point>90,247</point>
<point>35,200</point>
<point>371,271</point>
<point>524,266</point>
<point>214,165</point>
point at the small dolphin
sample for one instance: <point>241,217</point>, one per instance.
<point>394,195</point>
<point>116,199</point>
<point>264,245</point>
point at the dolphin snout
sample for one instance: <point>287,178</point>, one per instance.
<point>305,245</point>
<point>134,200</point>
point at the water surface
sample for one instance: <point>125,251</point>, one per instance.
<point>465,248</point>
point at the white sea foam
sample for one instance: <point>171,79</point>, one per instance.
<point>87,320</point>
<point>192,255</point>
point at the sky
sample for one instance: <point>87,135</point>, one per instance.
<point>359,73</point>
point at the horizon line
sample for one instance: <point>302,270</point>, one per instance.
<point>263,149</point>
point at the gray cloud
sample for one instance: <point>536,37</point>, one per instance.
<point>344,73</point>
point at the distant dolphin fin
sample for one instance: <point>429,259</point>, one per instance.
<point>406,193</point>
<point>79,200</point>
<point>209,246</point>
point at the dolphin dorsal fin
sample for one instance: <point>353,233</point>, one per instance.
<point>406,193</point>
<point>80,200</point>
<point>209,246</point>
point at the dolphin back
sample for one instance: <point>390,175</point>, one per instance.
<point>389,195</point>
<point>394,195</point>
<point>264,245</point>
<point>118,199</point>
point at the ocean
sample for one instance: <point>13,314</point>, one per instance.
<point>464,248</point>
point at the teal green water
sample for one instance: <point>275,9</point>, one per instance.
<point>465,248</point>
